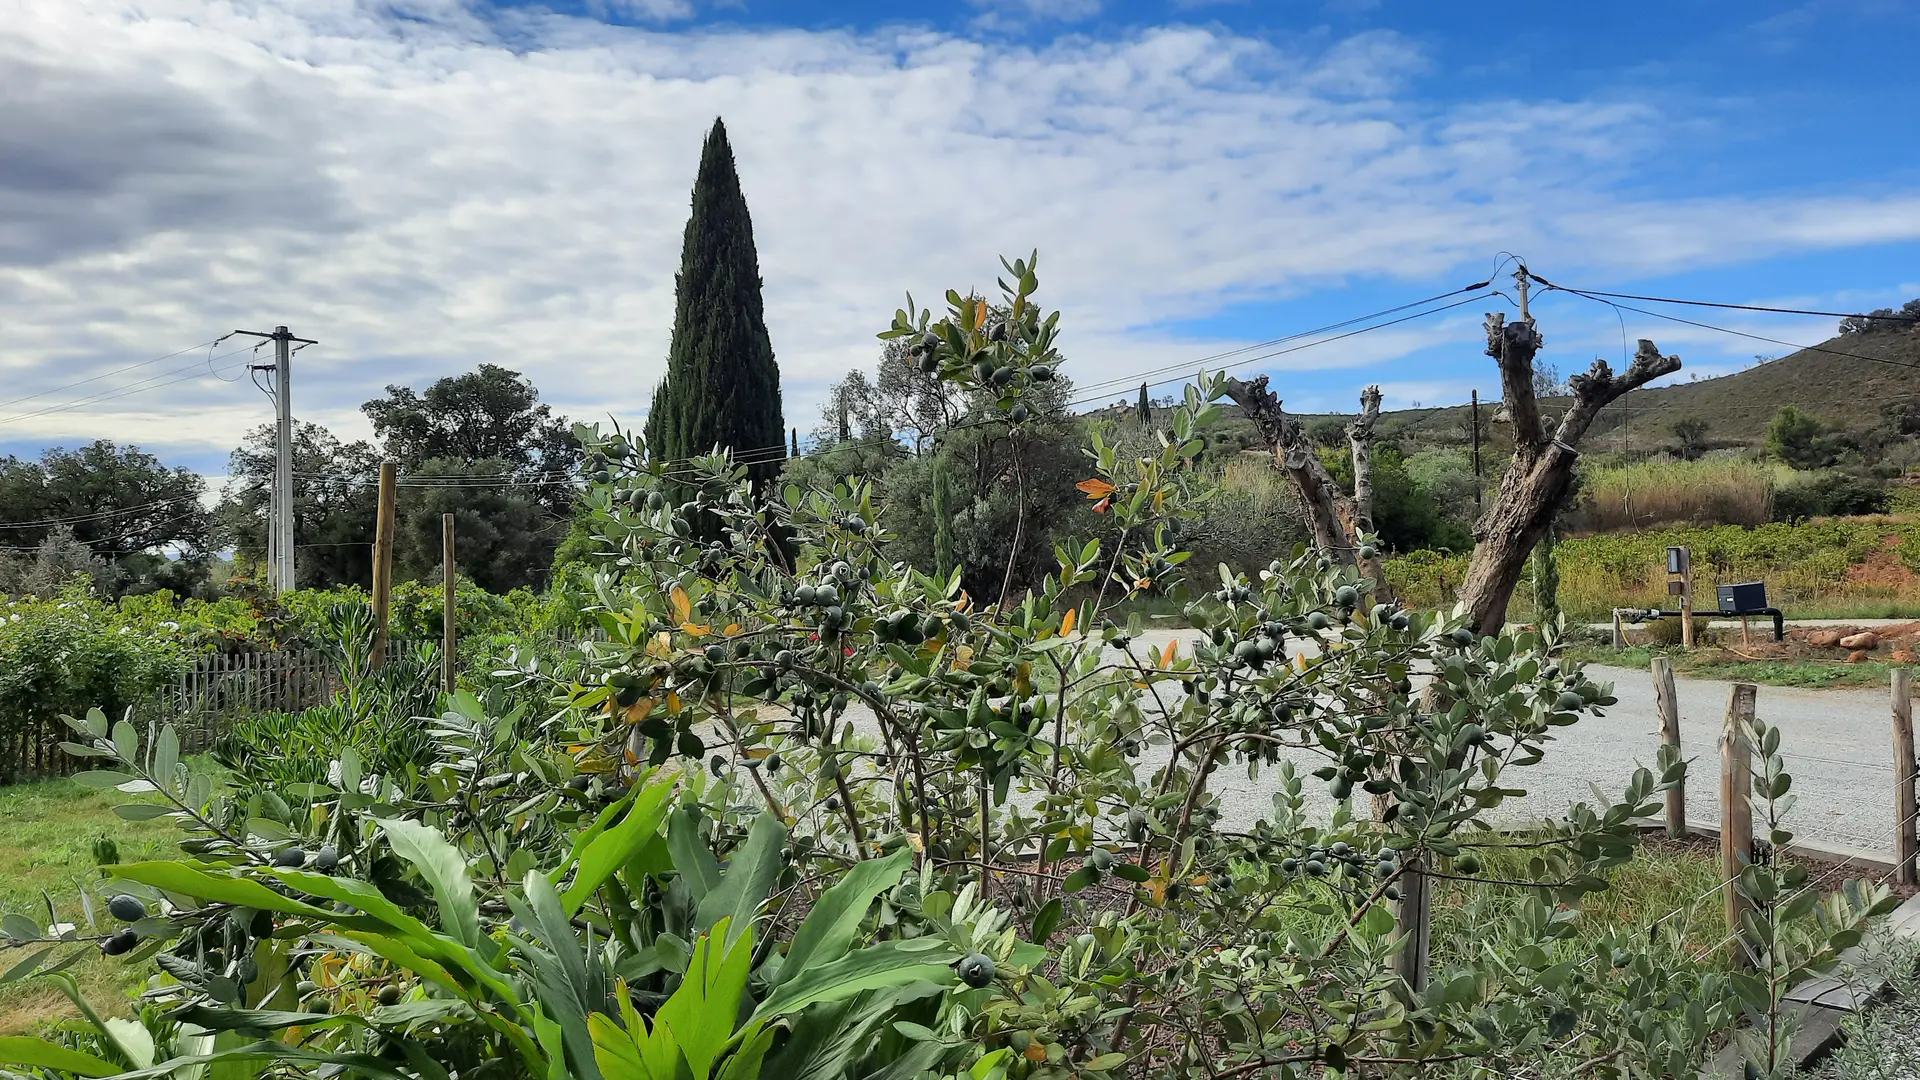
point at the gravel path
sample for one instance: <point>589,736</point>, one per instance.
<point>1837,744</point>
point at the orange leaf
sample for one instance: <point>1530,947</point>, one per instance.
<point>638,710</point>
<point>1066,621</point>
<point>673,703</point>
<point>732,629</point>
<point>1035,1052</point>
<point>695,629</point>
<point>1167,655</point>
<point>979,313</point>
<point>682,605</point>
<point>1095,488</point>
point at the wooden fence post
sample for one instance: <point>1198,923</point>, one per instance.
<point>1906,832</point>
<point>1669,706</point>
<point>1414,912</point>
<point>446,602</point>
<point>383,523</point>
<point>1736,811</point>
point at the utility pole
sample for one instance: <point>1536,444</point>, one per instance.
<point>280,521</point>
<point>1521,279</point>
<point>383,524</point>
<point>1476,451</point>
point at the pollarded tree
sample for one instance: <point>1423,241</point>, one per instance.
<point>1539,479</point>
<point>722,388</point>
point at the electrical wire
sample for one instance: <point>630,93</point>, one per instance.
<point>208,345</point>
<point>101,515</point>
<point>1732,307</point>
<point>150,383</point>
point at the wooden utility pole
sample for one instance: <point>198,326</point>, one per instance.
<point>1906,832</point>
<point>1669,706</point>
<point>1736,811</point>
<point>383,524</point>
<point>446,602</point>
<point>1476,452</point>
<point>1680,583</point>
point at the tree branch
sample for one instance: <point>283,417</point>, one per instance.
<point>1513,345</point>
<point>1599,388</point>
<point>1327,510</point>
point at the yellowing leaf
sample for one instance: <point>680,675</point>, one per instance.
<point>1095,488</point>
<point>1167,654</point>
<point>732,629</point>
<point>638,710</point>
<point>695,630</point>
<point>673,703</point>
<point>682,606</point>
<point>1067,620</point>
<point>962,657</point>
<point>661,647</point>
<point>1157,888</point>
<point>1035,1051</point>
<point>979,313</point>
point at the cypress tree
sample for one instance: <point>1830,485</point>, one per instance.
<point>1146,408</point>
<point>722,386</point>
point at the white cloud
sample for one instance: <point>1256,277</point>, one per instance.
<point>1063,10</point>
<point>424,193</point>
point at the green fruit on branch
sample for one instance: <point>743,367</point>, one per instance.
<point>976,970</point>
<point>127,908</point>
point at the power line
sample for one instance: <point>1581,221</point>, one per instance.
<point>1599,299</point>
<point>1733,307</point>
<point>115,371</point>
<point>99,516</point>
<point>150,383</point>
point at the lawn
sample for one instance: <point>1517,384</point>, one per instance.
<point>47,834</point>
<point>1710,663</point>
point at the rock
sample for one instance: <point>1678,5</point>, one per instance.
<point>1857,656</point>
<point>1865,639</point>
<point>1825,638</point>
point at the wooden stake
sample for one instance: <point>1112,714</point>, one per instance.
<point>1669,706</point>
<point>383,523</point>
<point>1906,832</point>
<point>446,602</point>
<point>1619,631</point>
<point>1414,912</point>
<point>1736,811</point>
<point>1686,607</point>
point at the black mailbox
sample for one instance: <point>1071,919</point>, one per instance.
<point>1748,597</point>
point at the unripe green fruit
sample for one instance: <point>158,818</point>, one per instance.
<point>976,970</point>
<point>120,943</point>
<point>1319,621</point>
<point>1466,864</point>
<point>293,856</point>
<point>388,995</point>
<point>127,908</point>
<point>327,859</point>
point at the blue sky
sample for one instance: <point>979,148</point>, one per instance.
<point>430,184</point>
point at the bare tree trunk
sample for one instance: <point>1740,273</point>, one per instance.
<point>1360,436</point>
<point>1540,476</point>
<point>1320,497</point>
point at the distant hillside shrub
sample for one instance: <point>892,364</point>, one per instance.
<point>1829,493</point>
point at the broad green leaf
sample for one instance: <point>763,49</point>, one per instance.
<point>744,1064</point>
<point>141,811</point>
<point>607,852</point>
<point>180,878</point>
<point>126,740</point>
<point>445,871</point>
<point>749,878</point>
<point>28,966</point>
<point>133,1039</point>
<point>19,928</point>
<point>166,758</point>
<point>101,778</point>
<point>1045,921</point>
<point>829,928</point>
<point>885,964</point>
<point>21,1050</point>
<point>701,1013</point>
<point>616,1051</point>
<point>691,856</point>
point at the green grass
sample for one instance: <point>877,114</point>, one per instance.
<point>1712,664</point>
<point>47,832</point>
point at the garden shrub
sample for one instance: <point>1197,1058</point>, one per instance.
<point>702,861</point>
<point>1829,493</point>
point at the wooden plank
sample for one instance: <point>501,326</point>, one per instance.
<point>1668,703</point>
<point>1736,812</point>
<point>383,560</point>
<point>447,602</point>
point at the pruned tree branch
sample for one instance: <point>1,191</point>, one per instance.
<point>1320,496</point>
<point>1360,436</point>
<point>1599,387</point>
<point>1513,345</point>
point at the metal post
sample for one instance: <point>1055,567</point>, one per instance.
<point>1669,706</point>
<point>383,561</point>
<point>1736,812</point>
<point>1521,280</point>
<point>1906,832</point>
<point>446,602</point>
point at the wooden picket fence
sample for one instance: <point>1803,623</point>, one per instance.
<point>201,704</point>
